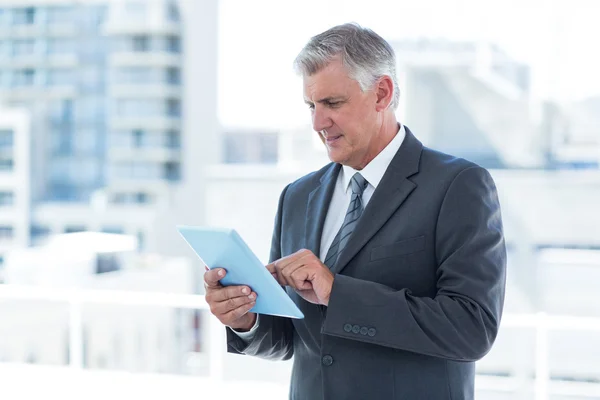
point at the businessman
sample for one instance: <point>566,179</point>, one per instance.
<point>394,252</point>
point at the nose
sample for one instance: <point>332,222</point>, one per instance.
<point>321,119</point>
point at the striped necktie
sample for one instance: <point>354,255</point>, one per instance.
<point>354,212</point>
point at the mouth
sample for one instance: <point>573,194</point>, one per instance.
<point>332,139</point>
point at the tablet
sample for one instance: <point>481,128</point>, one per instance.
<point>224,248</point>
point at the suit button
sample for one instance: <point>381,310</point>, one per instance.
<point>355,329</point>
<point>348,328</point>
<point>327,360</point>
<point>372,332</point>
<point>364,331</point>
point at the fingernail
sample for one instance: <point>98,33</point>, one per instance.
<point>251,297</point>
<point>245,290</point>
<point>221,273</point>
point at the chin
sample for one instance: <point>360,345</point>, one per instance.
<point>336,157</point>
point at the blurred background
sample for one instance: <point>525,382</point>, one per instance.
<point>121,119</point>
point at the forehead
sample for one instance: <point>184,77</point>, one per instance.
<point>329,81</point>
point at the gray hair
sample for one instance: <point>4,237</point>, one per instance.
<point>365,54</point>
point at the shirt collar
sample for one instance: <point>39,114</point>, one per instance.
<point>373,171</point>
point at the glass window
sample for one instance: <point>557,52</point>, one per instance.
<point>61,46</point>
<point>136,75</point>
<point>7,199</point>
<point>6,232</point>
<point>142,198</point>
<point>138,138</point>
<point>60,15</point>
<point>6,164</point>
<point>136,9</point>
<point>173,76</point>
<point>173,12</point>
<point>90,109</point>
<point>172,171</point>
<point>39,231</point>
<point>84,171</point>
<point>62,76</point>
<point>173,139</point>
<point>138,107</point>
<point>24,77</point>
<point>23,47</point>
<point>24,16</point>
<point>173,44</point>
<point>173,108</point>
<point>86,141</point>
<point>75,228</point>
<point>248,147</point>
<point>6,138</point>
<point>113,229</point>
<point>140,43</point>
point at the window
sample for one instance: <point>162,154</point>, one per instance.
<point>173,44</point>
<point>62,76</point>
<point>173,108</point>
<point>136,9</point>
<point>39,231</point>
<point>141,240</point>
<point>7,199</point>
<point>113,229</point>
<point>172,171</point>
<point>6,138</point>
<point>119,198</point>
<point>138,138</point>
<point>142,198</point>
<point>106,262</point>
<point>86,141</point>
<point>173,140</point>
<point>24,77</point>
<point>135,75</point>
<point>138,107</point>
<point>60,15</point>
<point>141,43</point>
<point>173,12</point>
<point>173,76</point>
<point>6,164</point>
<point>249,147</point>
<point>24,16</point>
<point>23,47</point>
<point>61,46</point>
<point>75,228</point>
<point>6,232</point>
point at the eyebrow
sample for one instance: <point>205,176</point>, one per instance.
<point>325,100</point>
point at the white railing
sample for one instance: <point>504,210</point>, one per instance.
<point>75,298</point>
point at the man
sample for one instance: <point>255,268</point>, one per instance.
<point>394,252</point>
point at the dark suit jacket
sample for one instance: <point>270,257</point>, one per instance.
<point>418,290</point>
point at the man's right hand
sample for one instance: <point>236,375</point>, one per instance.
<point>229,304</point>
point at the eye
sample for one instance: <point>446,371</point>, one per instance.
<point>311,106</point>
<point>334,104</point>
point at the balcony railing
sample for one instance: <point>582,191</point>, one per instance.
<point>542,323</point>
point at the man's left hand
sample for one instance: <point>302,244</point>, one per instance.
<point>304,272</point>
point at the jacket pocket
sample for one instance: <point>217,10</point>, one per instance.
<point>403,247</point>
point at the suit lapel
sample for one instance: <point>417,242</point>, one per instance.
<point>318,204</point>
<point>391,192</point>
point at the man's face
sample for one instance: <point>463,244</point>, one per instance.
<point>344,117</point>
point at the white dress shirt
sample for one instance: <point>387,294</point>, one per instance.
<point>340,200</point>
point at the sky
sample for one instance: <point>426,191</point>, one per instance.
<point>259,39</point>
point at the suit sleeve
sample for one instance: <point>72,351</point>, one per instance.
<point>461,322</point>
<point>273,338</point>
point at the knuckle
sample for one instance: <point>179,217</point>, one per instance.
<point>231,303</point>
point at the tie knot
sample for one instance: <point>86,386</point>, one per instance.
<point>358,184</point>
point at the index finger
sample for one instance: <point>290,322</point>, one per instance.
<point>213,276</point>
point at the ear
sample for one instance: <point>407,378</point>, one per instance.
<point>384,88</point>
